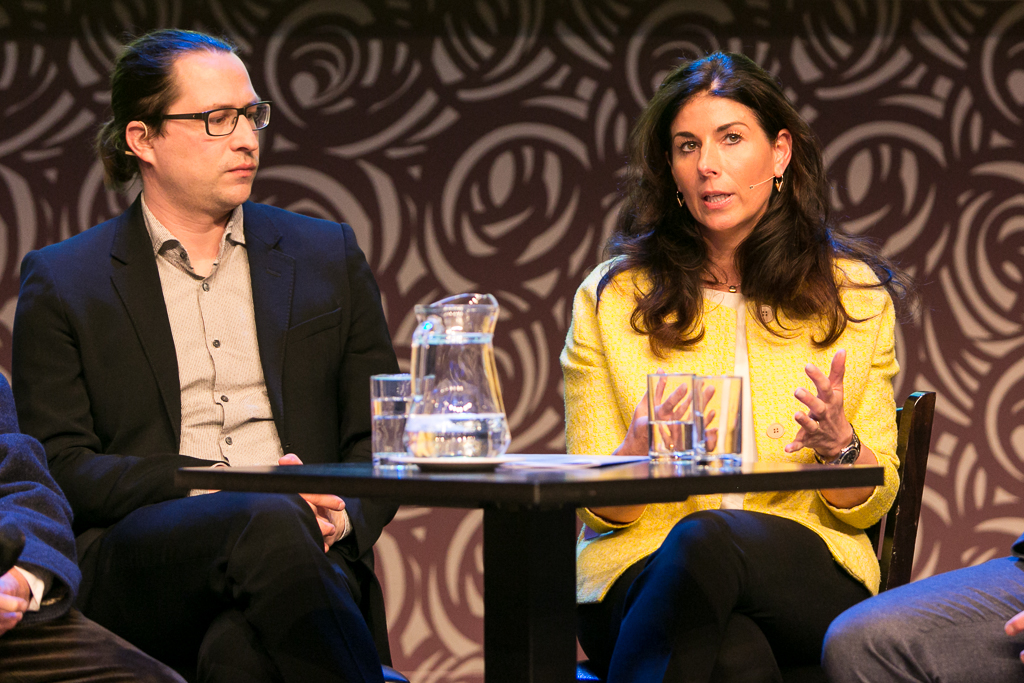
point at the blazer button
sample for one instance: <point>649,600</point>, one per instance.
<point>775,430</point>
<point>766,313</point>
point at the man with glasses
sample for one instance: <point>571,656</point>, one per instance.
<point>199,328</point>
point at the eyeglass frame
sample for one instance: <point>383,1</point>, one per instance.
<point>205,117</point>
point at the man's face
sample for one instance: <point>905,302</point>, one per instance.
<point>195,173</point>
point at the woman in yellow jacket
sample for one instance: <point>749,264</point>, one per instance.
<point>725,262</point>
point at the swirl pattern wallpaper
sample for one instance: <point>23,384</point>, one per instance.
<point>478,145</point>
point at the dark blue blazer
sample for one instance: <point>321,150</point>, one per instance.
<point>30,501</point>
<point>96,376</point>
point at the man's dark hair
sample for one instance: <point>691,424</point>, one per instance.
<point>141,89</point>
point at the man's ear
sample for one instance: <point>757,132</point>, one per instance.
<point>137,137</point>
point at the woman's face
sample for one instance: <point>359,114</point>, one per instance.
<point>718,151</point>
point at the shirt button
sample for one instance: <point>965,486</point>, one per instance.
<point>224,398</point>
<point>227,440</point>
<point>206,286</point>
<point>775,430</point>
<point>216,343</point>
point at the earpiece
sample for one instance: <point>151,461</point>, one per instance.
<point>130,153</point>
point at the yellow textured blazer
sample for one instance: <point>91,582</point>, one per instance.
<point>605,363</point>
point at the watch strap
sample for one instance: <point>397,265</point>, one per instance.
<point>847,456</point>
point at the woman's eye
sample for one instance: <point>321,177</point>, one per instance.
<point>687,146</point>
<point>733,137</point>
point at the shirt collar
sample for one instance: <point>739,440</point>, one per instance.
<point>162,238</point>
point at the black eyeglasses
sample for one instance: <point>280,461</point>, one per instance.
<point>220,122</point>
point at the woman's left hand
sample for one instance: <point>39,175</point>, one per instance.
<point>824,426</point>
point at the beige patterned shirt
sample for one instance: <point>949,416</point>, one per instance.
<point>225,410</point>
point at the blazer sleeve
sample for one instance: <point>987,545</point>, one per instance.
<point>593,423</point>
<point>872,411</point>
<point>31,501</point>
<point>53,403</point>
<point>368,351</point>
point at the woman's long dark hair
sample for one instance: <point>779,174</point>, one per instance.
<point>787,260</point>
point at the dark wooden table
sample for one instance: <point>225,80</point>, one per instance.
<point>529,532</point>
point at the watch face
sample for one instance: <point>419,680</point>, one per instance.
<point>848,457</point>
<point>850,454</point>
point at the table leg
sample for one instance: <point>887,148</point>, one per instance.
<point>529,595</point>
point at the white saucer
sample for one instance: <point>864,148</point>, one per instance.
<point>452,463</point>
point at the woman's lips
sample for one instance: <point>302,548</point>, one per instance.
<point>716,200</point>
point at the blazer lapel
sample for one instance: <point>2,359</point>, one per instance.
<point>137,281</point>
<point>273,278</point>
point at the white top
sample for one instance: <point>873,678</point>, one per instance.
<point>741,368</point>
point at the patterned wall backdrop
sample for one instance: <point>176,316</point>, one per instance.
<point>478,145</point>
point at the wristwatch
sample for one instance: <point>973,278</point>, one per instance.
<point>847,456</point>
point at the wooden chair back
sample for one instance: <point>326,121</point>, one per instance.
<point>895,536</point>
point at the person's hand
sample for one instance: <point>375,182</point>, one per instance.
<point>824,426</point>
<point>710,435</point>
<point>1014,626</point>
<point>710,426</point>
<point>636,442</point>
<point>14,597</point>
<point>673,406</point>
<point>326,507</point>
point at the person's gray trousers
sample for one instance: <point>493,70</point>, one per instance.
<point>945,628</point>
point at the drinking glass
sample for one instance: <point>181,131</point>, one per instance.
<point>718,421</point>
<point>670,416</point>
<point>390,398</point>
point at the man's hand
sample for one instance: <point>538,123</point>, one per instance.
<point>326,507</point>
<point>14,597</point>
<point>1014,626</point>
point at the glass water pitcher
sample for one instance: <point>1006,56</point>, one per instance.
<point>456,403</point>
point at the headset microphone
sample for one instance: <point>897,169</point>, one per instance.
<point>761,183</point>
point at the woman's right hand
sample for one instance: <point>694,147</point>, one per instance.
<point>636,442</point>
<point>675,405</point>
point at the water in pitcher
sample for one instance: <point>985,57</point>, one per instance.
<point>470,434</point>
